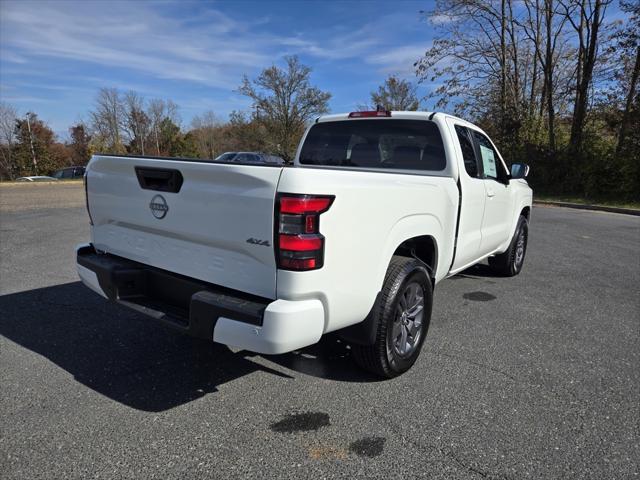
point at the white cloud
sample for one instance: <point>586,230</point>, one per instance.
<point>80,46</point>
<point>26,99</point>
<point>7,56</point>
<point>441,19</point>
<point>131,36</point>
<point>211,48</point>
<point>398,60</point>
<point>336,46</point>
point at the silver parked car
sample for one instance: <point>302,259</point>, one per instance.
<point>36,178</point>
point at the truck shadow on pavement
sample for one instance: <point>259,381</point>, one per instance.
<point>131,359</point>
<point>330,359</point>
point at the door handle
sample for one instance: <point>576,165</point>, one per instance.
<point>490,192</point>
<point>159,179</point>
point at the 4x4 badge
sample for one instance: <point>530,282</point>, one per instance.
<point>256,241</point>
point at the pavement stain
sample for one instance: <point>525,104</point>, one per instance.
<point>327,452</point>
<point>368,446</point>
<point>301,422</point>
<point>479,296</point>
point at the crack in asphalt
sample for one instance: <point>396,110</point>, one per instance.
<point>580,410</point>
<point>477,364</point>
<point>447,454</point>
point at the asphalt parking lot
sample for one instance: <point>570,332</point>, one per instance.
<point>531,377</point>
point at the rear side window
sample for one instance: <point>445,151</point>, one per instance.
<point>468,155</point>
<point>491,165</point>
<point>374,143</point>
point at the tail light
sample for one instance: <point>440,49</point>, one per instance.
<point>300,246</point>
<point>85,180</point>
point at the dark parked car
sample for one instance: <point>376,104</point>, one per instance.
<point>250,157</point>
<point>69,173</point>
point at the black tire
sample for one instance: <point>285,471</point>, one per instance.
<point>509,263</point>
<point>384,358</point>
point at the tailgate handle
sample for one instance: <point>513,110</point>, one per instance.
<point>159,179</point>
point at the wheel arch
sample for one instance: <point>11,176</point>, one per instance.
<point>423,248</point>
<point>424,234</point>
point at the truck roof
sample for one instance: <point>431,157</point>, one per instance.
<point>397,114</point>
<point>379,114</point>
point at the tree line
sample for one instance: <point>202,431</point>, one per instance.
<point>552,81</point>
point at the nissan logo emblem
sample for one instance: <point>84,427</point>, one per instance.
<point>159,207</point>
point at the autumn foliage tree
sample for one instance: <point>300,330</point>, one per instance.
<point>79,145</point>
<point>8,117</point>
<point>36,150</point>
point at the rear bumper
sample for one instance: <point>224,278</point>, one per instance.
<point>201,309</point>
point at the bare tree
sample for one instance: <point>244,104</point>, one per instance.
<point>553,59</point>
<point>158,111</point>
<point>205,132</point>
<point>396,94</point>
<point>548,66</point>
<point>503,61</point>
<point>632,95</point>
<point>136,121</point>
<point>538,75</point>
<point>590,15</point>
<point>531,26</point>
<point>285,101</point>
<point>8,115</point>
<point>107,119</point>
<point>173,113</point>
<point>629,75</point>
<point>473,57</point>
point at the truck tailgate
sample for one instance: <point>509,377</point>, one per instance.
<point>216,225</point>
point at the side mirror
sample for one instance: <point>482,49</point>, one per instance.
<point>519,170</point>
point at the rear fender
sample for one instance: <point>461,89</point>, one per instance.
<point>364,333</point>
<point>411,227</point>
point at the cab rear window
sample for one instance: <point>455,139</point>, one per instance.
<point>376,144</point>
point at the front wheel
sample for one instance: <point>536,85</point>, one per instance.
<point>402,318</point>
<point>509,263</point>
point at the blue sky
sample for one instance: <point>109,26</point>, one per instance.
<point>55,55</point>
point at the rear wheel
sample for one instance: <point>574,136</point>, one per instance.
<point>402,318</point>
<point>510,262</point>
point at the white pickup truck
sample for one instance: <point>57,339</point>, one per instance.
<point>376,210</point>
